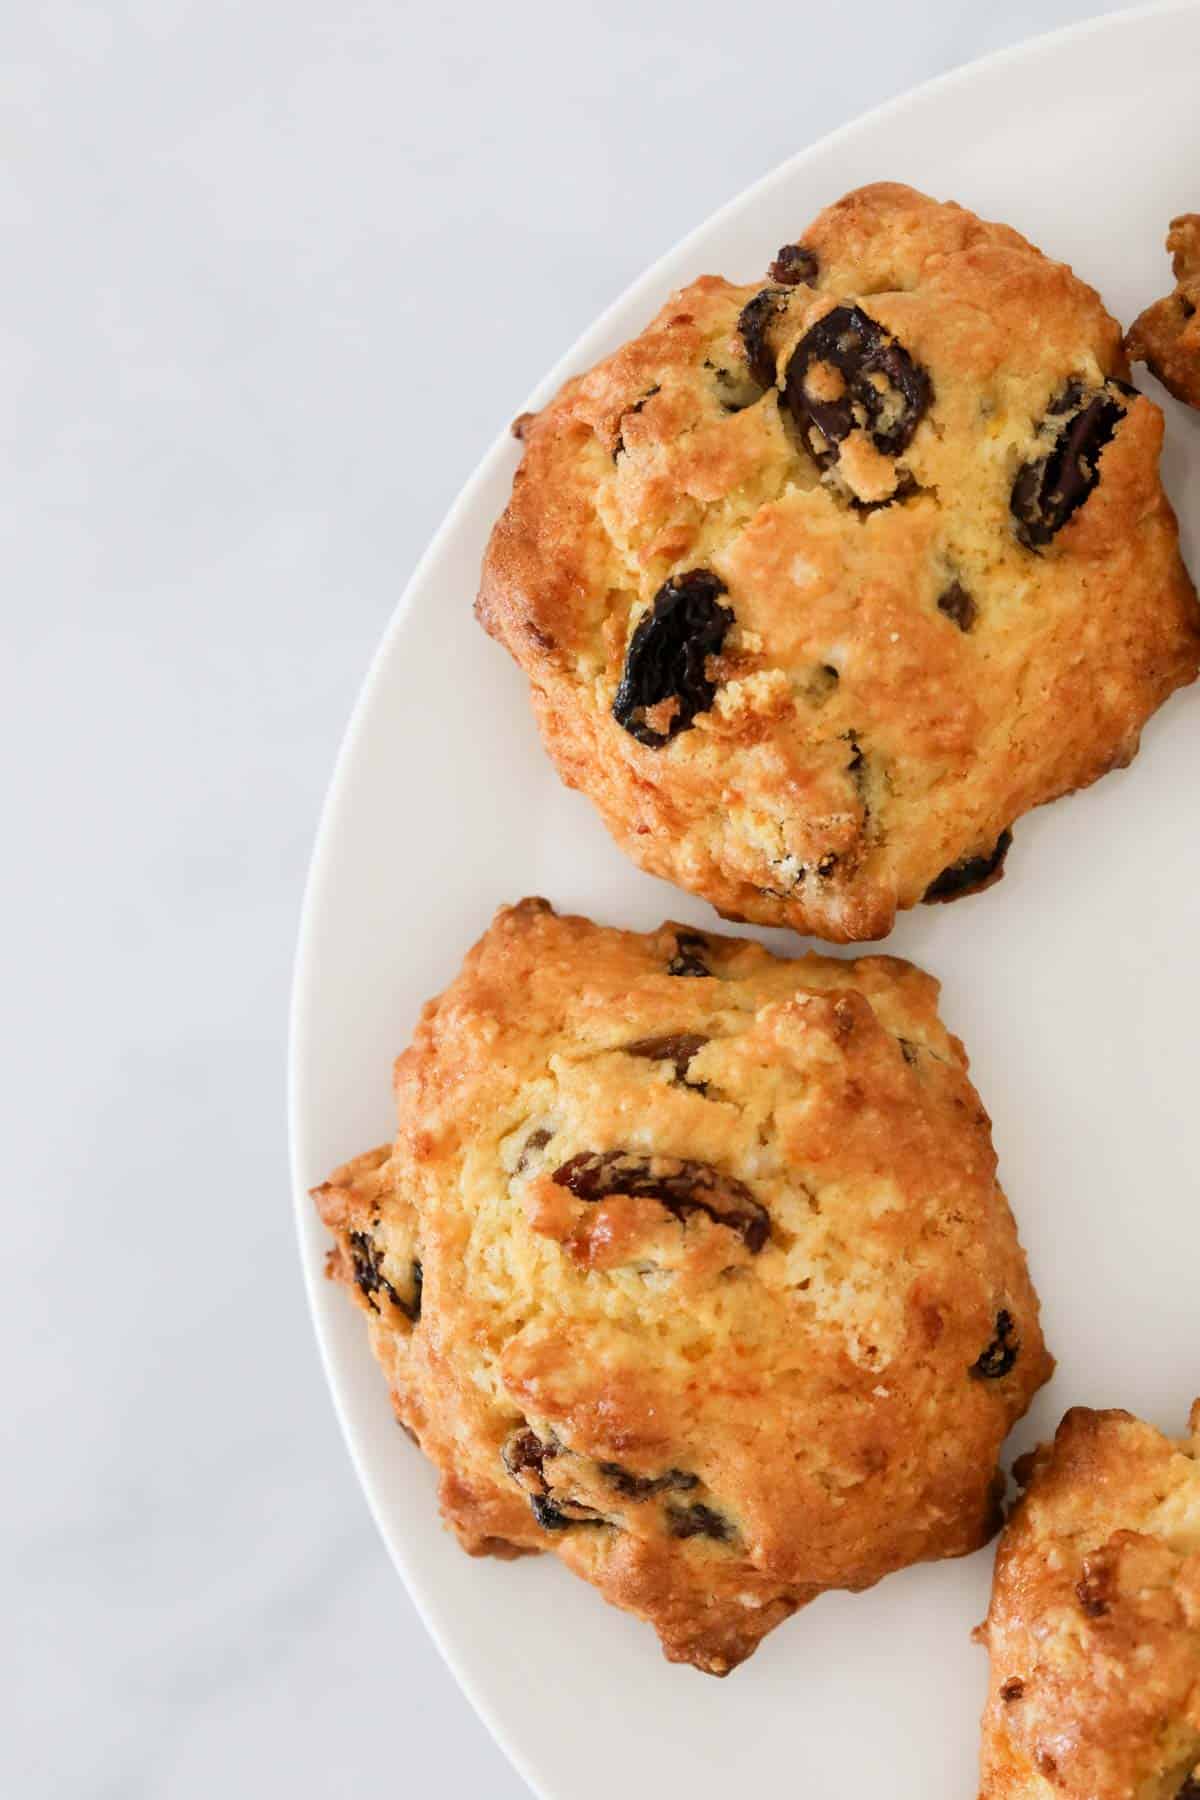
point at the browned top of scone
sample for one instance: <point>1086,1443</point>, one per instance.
<point>1094,1626</point>
<point>868,562</point>
<point>1166,337</point>
<point>690,1263</point>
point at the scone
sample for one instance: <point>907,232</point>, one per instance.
<point>689,1264</point>
<point>1166,337</point>
<point>820,585</point>
<point>1094,1626</point>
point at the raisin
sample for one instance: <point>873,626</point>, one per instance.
<point>524,1453</point>
<point>548,1515</point>
<point>521,424</point>
<point>1013,1689</point>
<point>754,323</point>
<point>681,1186</point>
<point>689,958</point>
<point>970,873</point>
<point>698,1520</point>
<point>537,1140</point>
<point>908,1050</point>
<point>1190,1789</point>
<point>794,264</point>
<point>668,654</point>
<point>367,1259</point>
<point>1050,490</point>
<point>847,340</point>
<point>643,1487</point>
<point>958,605</point>
<point>525,1456</point>
<point>635,408</point>
<point>1001,1353</point>
<point>1092,1593</point>
<point>679,1048</point>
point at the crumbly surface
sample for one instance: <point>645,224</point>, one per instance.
<point>1094,1625</point>
<point>820,585</point>
<point>690,1265</point>
<point>1166,337</point>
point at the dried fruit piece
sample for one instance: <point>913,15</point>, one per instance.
<point>1050,490</point>
<point>971,872</point>
<point>958,605</point>
<point>525,1456</point>
<point>367,1259</point>
<point>794,264</point>
<point>537,1140</point>
<point>681,1186</point>
<point>698,1520</point>
<point>1001,1353</point>
<point>644,1487</point>
<point>690,949</point>
<point>853,349</point>
<point>754,324</point>
<point>678,1048</point>
<point>668,655</point>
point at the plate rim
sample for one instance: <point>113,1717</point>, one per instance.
<point>577,355</point>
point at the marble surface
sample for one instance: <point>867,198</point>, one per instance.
<point>276,274</point>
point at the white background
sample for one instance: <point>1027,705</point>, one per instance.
<point>275,274</point>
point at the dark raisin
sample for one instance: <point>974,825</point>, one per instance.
<point>1050,489</point>
<point>668,655</point>
<point>644,1487</point>
<point>537,1140</point>
<point>1092,1592</point>
<point>1001,1353</point>
<point>635,408</point>
<point>679,1048</point>
<point>1190,1789</point>
<point>970,873</point>
<point>1013,1689</point>
<point>367,1259</point>
<point>847,340</point>
<point>795,263</point>
<point>524,1453</point>
<point>681,1186</point>
<point>754,324</point>
<point>525,1456</point>
<point>958,605</point>
<point>698,1520</point>
<point>521,424</point>
<point>548,1515</point>
<point>907,1050</point>
<point>690,949</point>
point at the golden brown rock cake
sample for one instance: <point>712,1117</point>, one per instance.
<point>1166,337</point>
<point>690,1265</point>
<point>821,584</point>
<point>1094,1626</point>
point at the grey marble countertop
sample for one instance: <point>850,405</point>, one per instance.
<point>276,273</point>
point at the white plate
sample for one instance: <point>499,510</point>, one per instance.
<point>1072,983</point>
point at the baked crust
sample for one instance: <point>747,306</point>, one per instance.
<point>775,1350</point>
<point>903,675</point>
<point>1094,1624</point>
<point>1166,337</point>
